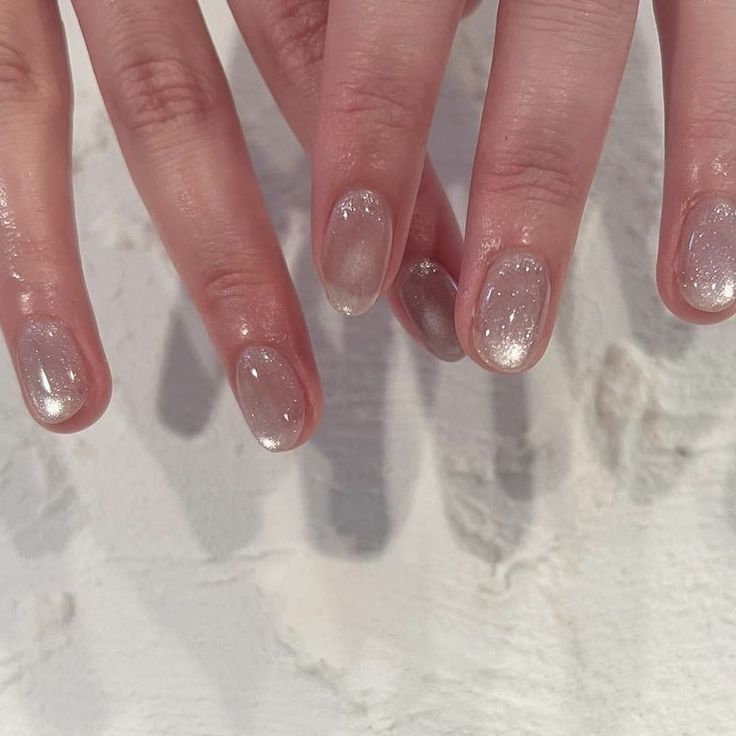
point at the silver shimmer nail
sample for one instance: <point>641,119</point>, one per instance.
<point>271,397</point>
<point>511,310</point>
<point>51,370</point>
<point>356,251</point>
<point>707,261</point>
<point>428,294</point>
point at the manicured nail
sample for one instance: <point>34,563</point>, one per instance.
<point>51,370</point>
<point>271,397</point>
<point>356,251</point>
<point>511,310</point>
<point>707,263</point>
<point>428,294</point>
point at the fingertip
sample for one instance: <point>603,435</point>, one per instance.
<point>281,399</point>
<point>94,407</point>
<point>63,373</point>
<point>86,417</point>
<point>423,299</point>
<point>505,320</point>
<point>670,293</point>
<point>696,267</point>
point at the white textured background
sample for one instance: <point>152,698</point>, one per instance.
<point>454,554</point>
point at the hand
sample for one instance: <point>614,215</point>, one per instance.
<point>172,110</point>
<point>556,70</point>
<point>286,39</point>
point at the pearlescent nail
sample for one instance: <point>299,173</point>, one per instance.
<point>271,397</point>
<point>51,370</point>
<point>707,262</point>
<point>356,251</point>
<point>428,294</point>
<point>511,310</point>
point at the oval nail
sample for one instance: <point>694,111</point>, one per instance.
<point>707,258</point>
<point>356,251</point>
<point>271,397</point>
<point>428,294</point>
<point>511,310</point>
<point>51,370</point>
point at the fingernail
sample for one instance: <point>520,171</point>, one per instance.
<point>707,263</point>
<point>511,310</point>
<point>271,397</point>
<point>356,251</point>
<point>428,294</point>
<point>51,370</point>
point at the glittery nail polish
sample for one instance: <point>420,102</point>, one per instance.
<point>271,397</point>
<point>428,294</point>
<point>511,310</point>
<point>356,251</point>
<point>707,260</point>
<point>51,370</point>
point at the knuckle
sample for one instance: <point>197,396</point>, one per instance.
<point>152,91</point>
<point>713,114</point>
<point>543,173</point>
<point>226,285</point>
<point>23,84</point>
<point>295,31</point>
<point>591,23</point>
<point>17,78</point>
<point>384,104</point>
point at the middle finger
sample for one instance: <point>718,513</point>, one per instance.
<point>383,64</point>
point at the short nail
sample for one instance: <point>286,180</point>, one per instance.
<point>356,251</point>
<point>428,294</point>
<point>511,310</point>
<point>271,397</point>
<point>51,370</point>
<point>707,261</point>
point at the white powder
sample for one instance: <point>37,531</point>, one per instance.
<point>454,553</point>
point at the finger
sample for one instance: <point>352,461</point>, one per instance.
<point>44,308</point>
<point>555,74</point>
<point>174,116</point>
<point>424,294</point>
<point>697,257</point>
<point>286,39</point>
<point>383,65</point>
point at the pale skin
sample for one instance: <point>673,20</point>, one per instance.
<point>357,80</point>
